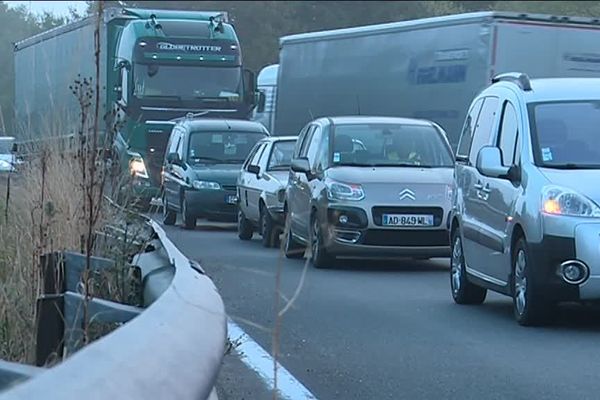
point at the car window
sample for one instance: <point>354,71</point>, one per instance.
<point>324,152</point>
<point>280,156</point>
<point>174,142</point>
<point>256,159</point>
<point>389,144</point>
<point>314,145</point>
<point>307,140</point>
<point>509,131</point>
<point>250,156</point>
<point>179,146</point>
<point>230,147</point>
<point>300,141</point>
<point>565,133</point>
<point>467,133</point>
<point>482,135</point>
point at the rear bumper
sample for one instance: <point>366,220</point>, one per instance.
<point>212,204</point>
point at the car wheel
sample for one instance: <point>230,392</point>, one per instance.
<point>169,216</point>
<point>463,291</point>
<point>189,220</point>
<point>291,248</point>
<point>266,228</point>
<point>244,227</point>
<point>531,307</point>
<point>320,257</point>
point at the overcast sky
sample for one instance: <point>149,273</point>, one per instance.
<point>56,7</point>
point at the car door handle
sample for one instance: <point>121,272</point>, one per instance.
<point>486,188</point>
<point>478,186</point>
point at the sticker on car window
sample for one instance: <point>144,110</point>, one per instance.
<point>230,149</point>
<point>217,138</point>
<point>336,157</point>
<point>546,154</point>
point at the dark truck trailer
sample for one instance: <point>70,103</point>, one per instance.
<point>155,66</point>
<point>429,68</point>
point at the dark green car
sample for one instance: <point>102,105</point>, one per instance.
<point>202,163</point>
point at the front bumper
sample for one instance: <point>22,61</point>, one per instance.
<point>361,235</point>
<point>583,246</point>
<point>277,215</point>
<point>212,204</point>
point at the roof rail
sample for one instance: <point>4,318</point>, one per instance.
<point>519,78</point>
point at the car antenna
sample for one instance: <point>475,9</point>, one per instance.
<point>227,123</point>
<point>358,104</point>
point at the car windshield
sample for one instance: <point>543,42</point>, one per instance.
<point>187,82</point>
<point>566,134</point>
<point>281,155</point>
<point>221,147</point>
<point>389,145</point>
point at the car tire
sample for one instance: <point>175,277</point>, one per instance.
<point>463,291</point>
<point>291,248</point>
<point>244,227</point>
<point>531,306</point>
<point>319,255</point>
<point>169,216</point>
<point>189,220</point>
<point>266,228</point>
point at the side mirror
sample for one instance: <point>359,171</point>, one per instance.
<point>489,163</point>
<point>300,165</point>
<point>15,148</point>
<point>254,169</point>
<point>261,100</point>
<point>249,86</point>
<point>173,158</point>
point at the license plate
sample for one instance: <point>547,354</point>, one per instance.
<point>231,199</point>
<point>407,220</point>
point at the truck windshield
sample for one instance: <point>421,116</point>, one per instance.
<point>392,145</point>
<point>566,134</point>
<point>187,82</point>
<point>221,147</point>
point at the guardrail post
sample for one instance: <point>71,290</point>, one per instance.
<point>50,328</point>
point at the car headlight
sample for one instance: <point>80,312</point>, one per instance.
<point>344,191</point>
<point>557,200</point>
<point>137,167</point>
<point>206,185</point>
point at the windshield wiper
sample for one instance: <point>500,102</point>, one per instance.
<point>160,96</point>
<point>198,159</point>
<point>572,166</point>
<point>354,164</point>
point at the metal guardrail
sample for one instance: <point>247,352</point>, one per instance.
<point>172,349</point>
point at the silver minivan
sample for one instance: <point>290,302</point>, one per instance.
<point>369,187</point>
<point>526,212</point>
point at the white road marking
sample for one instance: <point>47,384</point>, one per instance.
<point>257,359</point>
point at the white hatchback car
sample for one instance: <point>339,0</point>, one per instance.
<point>261,188</point>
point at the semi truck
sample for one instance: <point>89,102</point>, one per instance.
<point>155,66</point>
<point>267,85</point>
<point>428,68</point>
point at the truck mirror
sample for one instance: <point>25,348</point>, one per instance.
<point>15,148</point>
<point>250,86</point>
<point>262,98</point>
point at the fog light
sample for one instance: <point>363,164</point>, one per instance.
<point>574,272</point>
<point>343,219</point>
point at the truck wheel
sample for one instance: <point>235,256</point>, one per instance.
<point>169,216</point>
<point>463,291</point>
<point>189,220</point>
<point>245,230</point>
<point>531,307</point>
<point>266,228</point>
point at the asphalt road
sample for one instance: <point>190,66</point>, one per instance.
<point>389,329</point>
